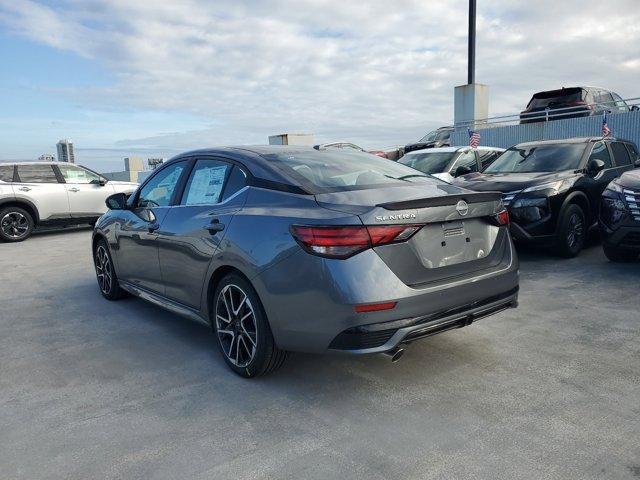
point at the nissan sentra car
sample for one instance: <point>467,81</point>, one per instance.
<point>284,249</point>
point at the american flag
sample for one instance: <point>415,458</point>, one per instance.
<point>474,138</point>
<point>606,131</point>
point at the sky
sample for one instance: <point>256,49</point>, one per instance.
<point>149,78</point>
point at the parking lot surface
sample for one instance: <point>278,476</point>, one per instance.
<point>98,389</point>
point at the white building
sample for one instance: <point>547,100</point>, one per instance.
<point>65,151</point>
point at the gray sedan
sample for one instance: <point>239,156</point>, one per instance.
<point>284,249</point>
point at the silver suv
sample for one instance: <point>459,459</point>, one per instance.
<point>34,194</point>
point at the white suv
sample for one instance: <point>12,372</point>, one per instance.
<point>51,193</point>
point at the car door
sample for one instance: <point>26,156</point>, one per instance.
<point>136,234</point>
<point>86,190</point>
<point>193,231</point>
<point>596,183</point>
<point>40,185</point>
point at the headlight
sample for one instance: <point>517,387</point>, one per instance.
<point>615,187</point>
<point>612,211</point>
<point>556,187</point>
<point>530,209</point>
<point>529,202</point>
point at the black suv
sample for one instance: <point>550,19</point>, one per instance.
<point>572,102</point>
<point>438,138</point>
<point>620,217</point>
<point>552,188</point>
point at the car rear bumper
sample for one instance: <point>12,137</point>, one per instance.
<point>310,301</point>
<point>385,336</point>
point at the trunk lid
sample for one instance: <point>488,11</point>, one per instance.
<point>457,236</point>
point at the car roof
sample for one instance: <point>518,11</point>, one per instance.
<point>34,163</point>
<point>571,140</point>
<point>452,149</point>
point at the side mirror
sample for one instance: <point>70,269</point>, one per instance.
<point>634,108</point>
<point>117,201</point>
<point>461,170</point>
<point>637,163</point>
<point>594,166</point>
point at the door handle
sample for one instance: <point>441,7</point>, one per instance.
<point>24,189</point>
<point>215,226</point>
<point>153,227</point>
<point>74,189</point>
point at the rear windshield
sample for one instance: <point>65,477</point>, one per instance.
<point>542,158</point>
<point>436,136</point>
<point>335,171</point>
<point>429,162</point>
<point>555,97</point>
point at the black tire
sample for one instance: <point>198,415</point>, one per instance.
<point>618,254</point>
<point>16,224</point>
<point>106,273</point>
<point>242,330</point>
<point>572,231</point>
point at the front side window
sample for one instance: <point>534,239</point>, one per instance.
<point>487,158</point>
<point>205,183</point>
<point>468,160</point>
<point>73,174</point>
<point>601,152</point>
<point>620,154</point>
<point>620,104</point>
<point>158,191</point>
<point>428,162</point>
<point>6,173</point>
<point>539,158</point>
<point>37,174</point>
<point>334,171</point>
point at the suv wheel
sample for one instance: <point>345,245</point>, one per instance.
<point>618,254</point>
<point>16,224</point>
<point>242,330</point>
<point>572,231</point>
<point>105,273</point>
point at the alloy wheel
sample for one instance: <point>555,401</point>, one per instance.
<point>575,231</point>
<point>103,270</point>
<point>14,225</point>
<point>236,325</point>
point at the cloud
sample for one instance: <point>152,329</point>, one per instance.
<point>375,72</point>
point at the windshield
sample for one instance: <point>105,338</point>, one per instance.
<point>435,136</point>
<point>429,162</point>
<point>335,171</point>
<point>541,158</point>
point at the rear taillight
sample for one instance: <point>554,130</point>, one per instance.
<point>345,241</point>
<point>501,218</point>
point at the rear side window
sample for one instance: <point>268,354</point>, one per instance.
<point>236,181</point>
<point>158,191</point>
<point>633,151</point>
<point>37,174</point>
<point>620,154</point>
<point>6,173</point>
<point>601,152</point>
<point>205,183</point>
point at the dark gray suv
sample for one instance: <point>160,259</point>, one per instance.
<point>295,249</point>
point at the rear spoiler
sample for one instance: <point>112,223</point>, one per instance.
<point>471,197</point>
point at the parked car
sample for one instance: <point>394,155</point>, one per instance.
<point>447,163</point>
<point>620,217</point>
<point>295,249</point>
<point>34,194</point>
<point>572,102</point>
<point>438,138</point>
<point>552,188</point>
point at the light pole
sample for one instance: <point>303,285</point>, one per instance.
<point>471,62</point>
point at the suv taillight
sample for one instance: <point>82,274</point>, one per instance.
<point>345,241</point>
